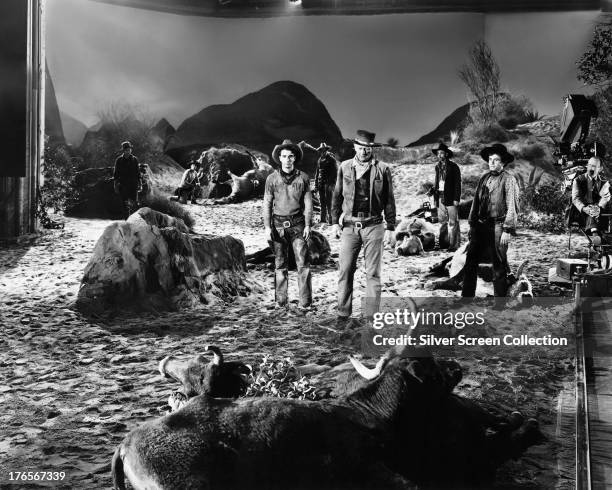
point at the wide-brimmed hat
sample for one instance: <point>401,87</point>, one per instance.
<point>324,147</point>
<point>126,145</point>
<point>365,138</point>
<point>443,147</point>
<point>287,145</point>
<point>497,149</point>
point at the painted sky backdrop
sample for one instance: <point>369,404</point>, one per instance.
<point>395,74</point>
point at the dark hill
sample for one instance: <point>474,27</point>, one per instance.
<point>453,122</point>
<point>260,120</point>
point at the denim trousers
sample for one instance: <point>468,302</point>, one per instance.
<point>292,237</point>
<point>371,238</point>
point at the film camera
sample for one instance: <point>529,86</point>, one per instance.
<point>573,150</point>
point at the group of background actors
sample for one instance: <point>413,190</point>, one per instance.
<point>357,199</point>
<point>363,215</point>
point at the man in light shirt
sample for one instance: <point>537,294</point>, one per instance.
<point>591,195</point>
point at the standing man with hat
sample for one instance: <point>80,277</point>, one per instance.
<point>492,220</point>
<point>325,180</point>
<point>287,215</point>
<point>363,194</point>
<point>126,177</point>
<point>447,192</point>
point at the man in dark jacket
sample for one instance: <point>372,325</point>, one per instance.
<point>447,192</point>
<point>492,220</point>
<point>325,180</point>
<point>287,215</point>
<point>363,194</point>
<point>126,177</point>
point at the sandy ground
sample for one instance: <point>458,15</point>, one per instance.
<point>71,387</point>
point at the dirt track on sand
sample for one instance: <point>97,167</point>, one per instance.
<point>71,387</point>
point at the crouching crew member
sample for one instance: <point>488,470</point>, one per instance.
<point>363,193</point>
<point>287,220</point>
<point>447,192</point>
<point>492,220</point>
<point>591,196</point>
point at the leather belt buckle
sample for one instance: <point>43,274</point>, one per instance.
<point>358,225</point>
<point>286,224</point>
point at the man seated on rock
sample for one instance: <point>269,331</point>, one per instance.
<point>190,184</point>
<point>287,215</point>
<point>591,197</point>
<point>126,178</point>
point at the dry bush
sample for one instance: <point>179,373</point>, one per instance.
<point>531,152</point>
<point>482,132</point>
<point>512,111</point>
<point>481,75</point>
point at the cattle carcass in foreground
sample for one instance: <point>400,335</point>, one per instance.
<point>217,378</point>
<point>414,236</point>
<point>402,425</point>
<point>453,267</point>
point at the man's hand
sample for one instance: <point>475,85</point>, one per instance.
<point>505,238</point>
<point>337,230</point>
<point>389,238</point>
<point>268,234</point>
<point>306,233</point>
<point>455,203</point>
<point>593,210</point>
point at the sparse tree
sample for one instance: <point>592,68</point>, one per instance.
<point>392,142</point>
<point>481,75</point>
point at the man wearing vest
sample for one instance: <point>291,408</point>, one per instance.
<point>492,220</point>
<point>447,192</point>
<point>287,219</point>
<point>591,195</point>
<point>363,194</point>
<point>126,178</point>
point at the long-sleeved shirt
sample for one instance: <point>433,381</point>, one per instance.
<point>287,195</point>
<point>503,199</point>
<point>587,191</point>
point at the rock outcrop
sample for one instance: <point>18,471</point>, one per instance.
<point>153,261</point>
<point>259,120</point>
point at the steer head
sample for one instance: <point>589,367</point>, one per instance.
<point>200,375</point>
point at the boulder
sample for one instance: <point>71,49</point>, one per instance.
<point>153,261</point>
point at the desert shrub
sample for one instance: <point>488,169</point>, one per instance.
<point>545,198</point>
<point>58,170</point>
<point>393,142</point>
<point>511,111</point>
<point>482,132</point>
<point>550,223</point>
<point>119,122</point>
<point>454,137</point>
<point>280,378</point>
<point>160,203</point>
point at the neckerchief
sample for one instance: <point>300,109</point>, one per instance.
<point>288,177</point>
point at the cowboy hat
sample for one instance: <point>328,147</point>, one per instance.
<point>443,147</point>
<point>125,145</point>
<point>287,145</point>
<point>365,138</point>
<point>324,147</point>
<point>497,149</point>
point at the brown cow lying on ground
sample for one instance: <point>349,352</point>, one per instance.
<point>414,237</point>
<point>399,428</point>
<point>319,252</point>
